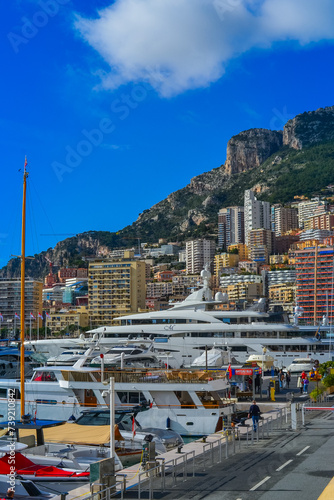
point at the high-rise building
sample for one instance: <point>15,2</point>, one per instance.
<point>283,219</point>
<point>306,209</point>
<point>231,226</point>
<point>322,221</point>
<point>10,302</point>
<point>314,271</point>
<point>260,244</point>
<point>198,254</point>
<point>115,288</point>
<point>257,214</point>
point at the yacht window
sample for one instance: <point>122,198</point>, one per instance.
<point>44,377</point>
<point>3,393</point>
<point>131,397</point>
<point>189,423</point>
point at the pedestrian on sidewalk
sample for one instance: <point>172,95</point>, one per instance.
<point>306,382</point>
<point>254,413</point>
<point>288,378</point>
<point>300,384</point>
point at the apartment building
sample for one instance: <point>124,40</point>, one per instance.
<point>283,219</point>
<point>314,274</point>
<point>225,260</point>
<point>243,291</point>
<point>256,213</point>
<point>10,301</point>
<point>231,226</point>
<point>71,272</point>
<point>198,254</point>
<point>62,320</point>
<point>159,289</point>
<point>282,294</point>
<point>307,209</point>
<point>242,250</point>
<point>115,288</point>
<point>324,221</point>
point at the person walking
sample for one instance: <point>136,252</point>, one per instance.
<point>300,384</point>
<point>254,413</point>
<point>288,378</point>
<point>306,382</point>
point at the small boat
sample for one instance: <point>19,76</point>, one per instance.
<point>71,356</point>
<point>28,469</point>
<point>24,490</point>
<point>264,361</point>
<point>299,365</point>
<point>213,358</point>
<point>127,355</point>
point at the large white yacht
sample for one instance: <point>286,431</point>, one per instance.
<point>181,333</point>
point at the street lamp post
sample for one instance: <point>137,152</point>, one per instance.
<point>112,413</point>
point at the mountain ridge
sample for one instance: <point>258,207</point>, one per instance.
<point>276,164</point>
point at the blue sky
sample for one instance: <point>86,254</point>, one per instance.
<point>116,105</point>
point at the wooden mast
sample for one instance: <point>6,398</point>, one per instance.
<point>23,235</point>
<point>315,283</point>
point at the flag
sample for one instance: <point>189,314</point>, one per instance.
<point>32,316</point>
<point>229,369</point>
<point>133,427</point>
<point>25,162</point>
<point>40,316</point>
<point>1,317</point>
<point>17,316</point>
<point>47,315</point>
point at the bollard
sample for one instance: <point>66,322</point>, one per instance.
<point>63,495</point>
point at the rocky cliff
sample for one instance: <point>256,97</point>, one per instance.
<point>251,148</point>
<point>309,128</point>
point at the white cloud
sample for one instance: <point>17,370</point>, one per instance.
<point>176,45</point>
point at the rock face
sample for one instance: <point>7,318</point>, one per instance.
<point>251,148</point>
<point>309,128</point>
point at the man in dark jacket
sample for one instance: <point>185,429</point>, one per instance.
<point>254,413</point>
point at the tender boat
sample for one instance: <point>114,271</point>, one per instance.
<point>299,365</point>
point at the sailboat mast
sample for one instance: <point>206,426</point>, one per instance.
<point>23,236</point>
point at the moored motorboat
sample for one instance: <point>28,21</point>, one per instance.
<point>13,461</point>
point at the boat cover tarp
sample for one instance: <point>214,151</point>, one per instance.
<point>69,433</point>
<point>24,466</point>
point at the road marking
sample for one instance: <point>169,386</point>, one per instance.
<point>302,451</point>
<point>260,483</point>
<point>284,465</point>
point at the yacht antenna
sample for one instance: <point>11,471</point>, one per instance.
<point>23,234</point>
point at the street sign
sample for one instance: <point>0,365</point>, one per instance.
<point>244,371</point>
